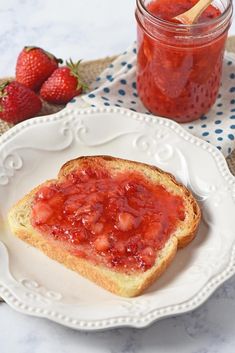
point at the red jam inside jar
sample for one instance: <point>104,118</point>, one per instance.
<point>179,66</point>
<point>120,221</point>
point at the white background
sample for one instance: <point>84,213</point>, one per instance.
<point>93,29</point>
<point>73,28</point>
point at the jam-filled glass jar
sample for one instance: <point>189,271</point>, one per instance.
<point>179,66</point>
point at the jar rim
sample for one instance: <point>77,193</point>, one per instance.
<point>157,20</point>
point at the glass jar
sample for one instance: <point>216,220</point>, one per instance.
<point>179,66</point>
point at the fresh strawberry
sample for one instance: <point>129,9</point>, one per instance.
<point>34,65</point>
<point>18,102</point>
<point>63,84</point>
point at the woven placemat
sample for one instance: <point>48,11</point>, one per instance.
<point>92,69</point>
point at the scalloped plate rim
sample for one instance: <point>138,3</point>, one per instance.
<point>135,321</point>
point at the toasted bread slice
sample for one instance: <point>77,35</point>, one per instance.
<point>123,284</point>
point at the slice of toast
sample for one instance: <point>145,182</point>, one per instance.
<point>123,283</point>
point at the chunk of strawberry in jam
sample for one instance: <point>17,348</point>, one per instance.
<point>147,257</point>
<point>102,243</point>
<point>126,221</point>
<point>154,230</point>
<point>119,248</point>
<point>90,219</point>
<point>42,212</point>
<point>97,228</point>
<point>119,221</point>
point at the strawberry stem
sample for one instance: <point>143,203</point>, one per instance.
<point>51,56</point>
<point>74,71</point>
<point>30,47</point>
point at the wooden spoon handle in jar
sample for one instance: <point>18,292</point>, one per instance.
<point>191,16</point>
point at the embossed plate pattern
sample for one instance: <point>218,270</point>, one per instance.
<point>34,151</point>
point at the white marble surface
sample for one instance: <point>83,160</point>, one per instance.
<point>71,28</point>
<point>92,29</point>
<point>209,329</point>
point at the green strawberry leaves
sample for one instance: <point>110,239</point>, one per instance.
<point>74,70</point>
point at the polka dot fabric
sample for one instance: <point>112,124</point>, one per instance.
<point>116,86</point>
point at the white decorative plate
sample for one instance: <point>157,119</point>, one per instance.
<point>34,151</point>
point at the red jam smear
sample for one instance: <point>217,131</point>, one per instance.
<point>119,221</point>
<point>175,79</point>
